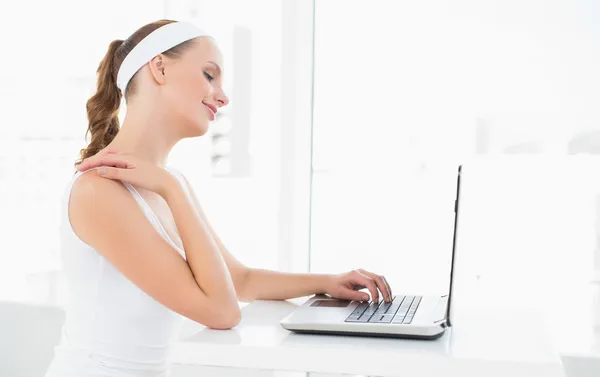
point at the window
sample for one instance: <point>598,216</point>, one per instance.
<point>405,91</point>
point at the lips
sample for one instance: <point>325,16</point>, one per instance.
<point>213,110</point>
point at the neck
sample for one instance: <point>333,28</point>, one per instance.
<point>145,135</point>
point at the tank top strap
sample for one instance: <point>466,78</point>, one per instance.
<point>182,181</point>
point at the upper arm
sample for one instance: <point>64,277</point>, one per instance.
<point>106,216</point>
<point>236,268</point>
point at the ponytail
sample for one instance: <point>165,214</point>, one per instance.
<point>103,106</point>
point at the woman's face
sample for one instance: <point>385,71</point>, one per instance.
<point>194,87</point>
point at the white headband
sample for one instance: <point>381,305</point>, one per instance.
<point>155,43</point>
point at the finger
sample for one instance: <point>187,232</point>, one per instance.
<point>88,162</point>
<point>110,172</point>
<point>381,284</point>
<point>369,283</point>
<point>102,154</point>
<point>349,294</point>
<point>389,287</point>
<point>103,162</point>
<point>106,160</point>
<point>383,287</point>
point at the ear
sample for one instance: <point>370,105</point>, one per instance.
<point>157,69</point>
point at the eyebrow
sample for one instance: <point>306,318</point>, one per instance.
<point>219,71</point>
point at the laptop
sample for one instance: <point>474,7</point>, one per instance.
<point>406,316</point>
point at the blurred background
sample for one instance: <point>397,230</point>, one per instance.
<point>340,147</point>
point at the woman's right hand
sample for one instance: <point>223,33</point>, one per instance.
<point>130,169</point>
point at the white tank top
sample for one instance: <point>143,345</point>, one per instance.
<point>112,327</point>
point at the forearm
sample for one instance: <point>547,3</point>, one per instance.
<point>202,253</point>
<point>272,285</point>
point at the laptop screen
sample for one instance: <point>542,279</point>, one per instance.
<point>456,208</point>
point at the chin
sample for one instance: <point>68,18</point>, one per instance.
<point>197,129</point>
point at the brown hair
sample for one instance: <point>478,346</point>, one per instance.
<point>103,106</point>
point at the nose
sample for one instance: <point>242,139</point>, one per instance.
<point>222,99</point>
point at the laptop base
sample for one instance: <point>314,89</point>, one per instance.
<point>378,335</point>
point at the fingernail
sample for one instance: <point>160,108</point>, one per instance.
<point>366,298</point>
<point>102,170</point>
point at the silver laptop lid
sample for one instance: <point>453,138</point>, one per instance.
<point>452,266</point>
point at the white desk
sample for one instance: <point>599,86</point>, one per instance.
<point>515,345</point>
<point>576,339</point>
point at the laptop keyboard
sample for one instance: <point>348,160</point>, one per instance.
<point>400,310</point>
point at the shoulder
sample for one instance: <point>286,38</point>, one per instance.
<point>89,186</point>
<point>100,206</point>
<point>176,172</point>
<point>92,196</point>
<point>180,177</point>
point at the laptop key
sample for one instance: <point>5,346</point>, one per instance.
<point>352,319</point>
<point>414,306</point>
<point>364,318</point>
<point>368,314</point>
<point>398,319</point>
<point>387,318</point>
<point>393,306</point>
<point>360,309</point>
<point>381,318</point>
<point>408,301</point>
<point>371,310</point>
<point>397,304</point>
<point>416,301</point>
<point>376,318</point>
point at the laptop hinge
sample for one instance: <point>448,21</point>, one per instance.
<point>443,314</point>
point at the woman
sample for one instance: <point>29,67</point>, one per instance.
<point>137,249</point>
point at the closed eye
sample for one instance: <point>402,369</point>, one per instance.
<point>208,76</point>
